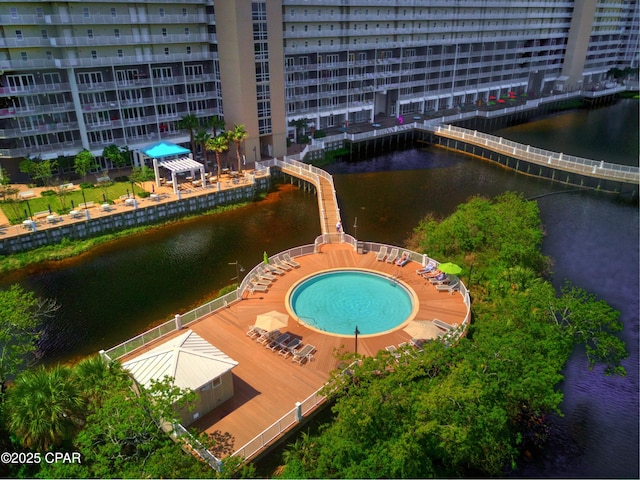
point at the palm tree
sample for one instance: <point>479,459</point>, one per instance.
<point>218,144</point>
<point>216,123</point>
<point>237,135</point>
<point>96,377</point>
<point>190,123</point>
<point>43,407</point>
<point>201,138</point>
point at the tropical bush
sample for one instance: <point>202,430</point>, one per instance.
<point>477,408</point>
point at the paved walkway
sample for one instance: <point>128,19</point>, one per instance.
<point>165,195</point>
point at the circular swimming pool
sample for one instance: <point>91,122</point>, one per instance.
<point>339,300</point>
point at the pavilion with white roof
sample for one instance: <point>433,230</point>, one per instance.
<point>174,158</point>
<point>192,363</point>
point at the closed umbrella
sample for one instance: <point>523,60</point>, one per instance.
<point>272,320</point>
<point>423,330</point>
<point>265,258</point>
<point>449,268</point>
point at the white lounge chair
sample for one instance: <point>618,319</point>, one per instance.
<point>262,274</point>
<point>257,288</point>
<point>429,267</point>
<point>381,253</point>
<point>274,269</point>
<point>280,264</point>
<point>260,281</point>
<point>290,261</point>
<point>254,332</point>
<point>444,325</point>
<point>450,287</point>
<point>437,281</point>
<point>305,353</point>
<point>393,255</point>
<point>293,346</point>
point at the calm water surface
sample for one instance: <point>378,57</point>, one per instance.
<point>120,289</point>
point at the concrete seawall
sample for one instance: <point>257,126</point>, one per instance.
<point>144,215</point>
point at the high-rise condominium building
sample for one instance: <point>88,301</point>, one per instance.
<point>87,74</point>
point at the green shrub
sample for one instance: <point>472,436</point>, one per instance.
<point>47,193</point>
<point>143,194</point>
<point>84,185</point>
<point>122,178</point>
<point>319,134</point>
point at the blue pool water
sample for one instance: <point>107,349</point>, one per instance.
<point>338,301</point>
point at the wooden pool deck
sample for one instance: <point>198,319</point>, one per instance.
<point>267,386</point>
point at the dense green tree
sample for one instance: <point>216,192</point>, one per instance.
<point>118,156</point>
<point>470,409</point>
<point>125,433</point>
<point>6,189</point>
<point>142,174</point>
<point>21,315</point>
<point>84,162</point>
<point>43,407</point>
<point>39,170</point>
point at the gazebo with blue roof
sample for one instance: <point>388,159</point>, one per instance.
<point>174,158</point>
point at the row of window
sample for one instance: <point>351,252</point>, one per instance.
<point>94,53</point>
<point>116,33</point>
<point>86,12</point>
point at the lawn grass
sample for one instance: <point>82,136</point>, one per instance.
<point>14,210</point>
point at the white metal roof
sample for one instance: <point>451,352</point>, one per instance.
<point>188,358</point>
<point>179,165</point>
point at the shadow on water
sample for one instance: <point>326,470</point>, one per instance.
<point>120,289</point>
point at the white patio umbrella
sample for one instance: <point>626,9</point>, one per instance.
<point>272,320</point>
<point>423,330</point>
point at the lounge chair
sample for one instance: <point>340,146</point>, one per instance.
<point>381,253</point>
<point>268,337</point>
<point>293,346</point>
<point>254,332</point>
<point>257,288</point>
<point>393,351</point>
<point>265,275</point>
<point>290,261</point>
<point>274,269</point>
<point>260,281</point>
<point>404,259</point>
<point>305,353</point>
<point>444,325</point>
<point>450,287</point>
<point>280,264</point>
<point>393,255</point>
<point>439,280</point>
<point>430,267</point>
<point>279,342</point>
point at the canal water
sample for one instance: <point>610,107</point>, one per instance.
<point>120,289</point>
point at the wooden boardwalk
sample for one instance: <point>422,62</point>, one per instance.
<point>267,385</point>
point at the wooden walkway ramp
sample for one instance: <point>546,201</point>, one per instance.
<point>327,201</point>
